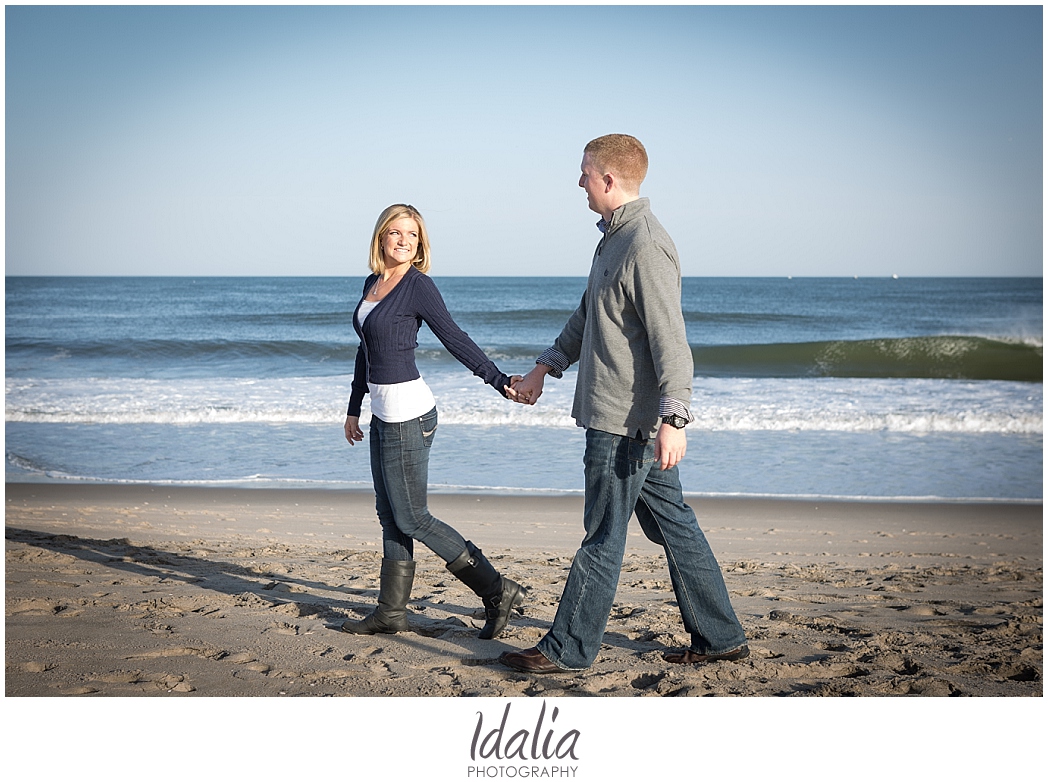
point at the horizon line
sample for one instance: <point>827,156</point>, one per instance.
<point>547,276</point>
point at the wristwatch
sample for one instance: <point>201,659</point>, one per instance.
<point>676,421</point>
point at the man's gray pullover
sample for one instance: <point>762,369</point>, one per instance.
<point>628,332</point>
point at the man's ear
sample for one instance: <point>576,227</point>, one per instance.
<point>609,181</point>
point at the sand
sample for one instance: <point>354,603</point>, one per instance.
<point>179,592</point>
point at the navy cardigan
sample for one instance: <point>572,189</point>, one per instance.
<point>389,337</point>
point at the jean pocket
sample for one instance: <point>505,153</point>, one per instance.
<point>428,425</point>
<point>641,451</point>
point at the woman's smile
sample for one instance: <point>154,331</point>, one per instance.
<point>400,243</point>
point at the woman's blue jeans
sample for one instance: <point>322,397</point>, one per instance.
<point>622,478</point>
<point>400,470</point>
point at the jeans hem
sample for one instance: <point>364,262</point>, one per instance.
<point>557,662</point>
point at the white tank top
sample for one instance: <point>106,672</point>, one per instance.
<point>396,402</point>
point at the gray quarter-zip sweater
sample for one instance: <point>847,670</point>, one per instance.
<point>628,334</point>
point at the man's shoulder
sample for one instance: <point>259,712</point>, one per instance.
<point>641,219</point>
<point>655,228</point>
<point>645,234</point>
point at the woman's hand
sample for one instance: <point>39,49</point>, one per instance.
<point>353,431</point>
<point>507,391</point>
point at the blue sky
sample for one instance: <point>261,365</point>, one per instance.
<point>265,140</point>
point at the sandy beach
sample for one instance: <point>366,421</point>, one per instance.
<point>152,590</point>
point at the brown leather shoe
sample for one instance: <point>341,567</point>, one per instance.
<point>694,657</point>
<point>530,661</point>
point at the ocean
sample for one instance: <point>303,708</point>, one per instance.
<point>807,387</point>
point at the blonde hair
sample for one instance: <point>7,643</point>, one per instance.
<point>389,215</point>
<point>622,155</point>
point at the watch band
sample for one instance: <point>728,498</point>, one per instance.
<point>676,421</point>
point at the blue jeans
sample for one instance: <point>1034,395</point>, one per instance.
<point>622,479</point>
<point>400,470</point>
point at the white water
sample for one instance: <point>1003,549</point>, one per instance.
<point>720,405</point>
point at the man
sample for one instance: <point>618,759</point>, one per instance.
<point>633,397</point>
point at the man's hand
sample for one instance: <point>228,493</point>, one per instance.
<point>670,446</point>
<point>528,389</point>
<point>353,431</point>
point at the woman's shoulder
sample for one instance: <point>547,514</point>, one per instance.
<point>420,281</point>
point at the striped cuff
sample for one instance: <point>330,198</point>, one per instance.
<point>555,360</point>
<point>670,406</point>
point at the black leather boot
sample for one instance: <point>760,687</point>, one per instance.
<point>498,593</point>
<point>394,588</point>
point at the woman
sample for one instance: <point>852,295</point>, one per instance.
<point>398,296</point>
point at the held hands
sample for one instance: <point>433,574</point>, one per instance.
<point>352,428</point>
<point>670,443</point>
<point>528,389</point>
<point>507,391</point>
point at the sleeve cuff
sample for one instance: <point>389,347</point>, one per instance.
<point>670,406</point>
<point>555,360</point>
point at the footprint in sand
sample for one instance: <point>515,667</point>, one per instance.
<point>179,651</point>
<point>37,667</point>
<point>284,628</point>
<point>241,658</point>
<point>35,607</point>
<point>82,690</point>
<point>118,677</point>
<point>174,683</point>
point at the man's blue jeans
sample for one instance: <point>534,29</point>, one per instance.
<point>400,470</point>
<point>622,478</point>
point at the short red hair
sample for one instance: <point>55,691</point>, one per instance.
<point>621,155</point>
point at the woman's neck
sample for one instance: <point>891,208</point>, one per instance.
<point>396,271</point>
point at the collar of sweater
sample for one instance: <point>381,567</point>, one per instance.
<point>623,215</point>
